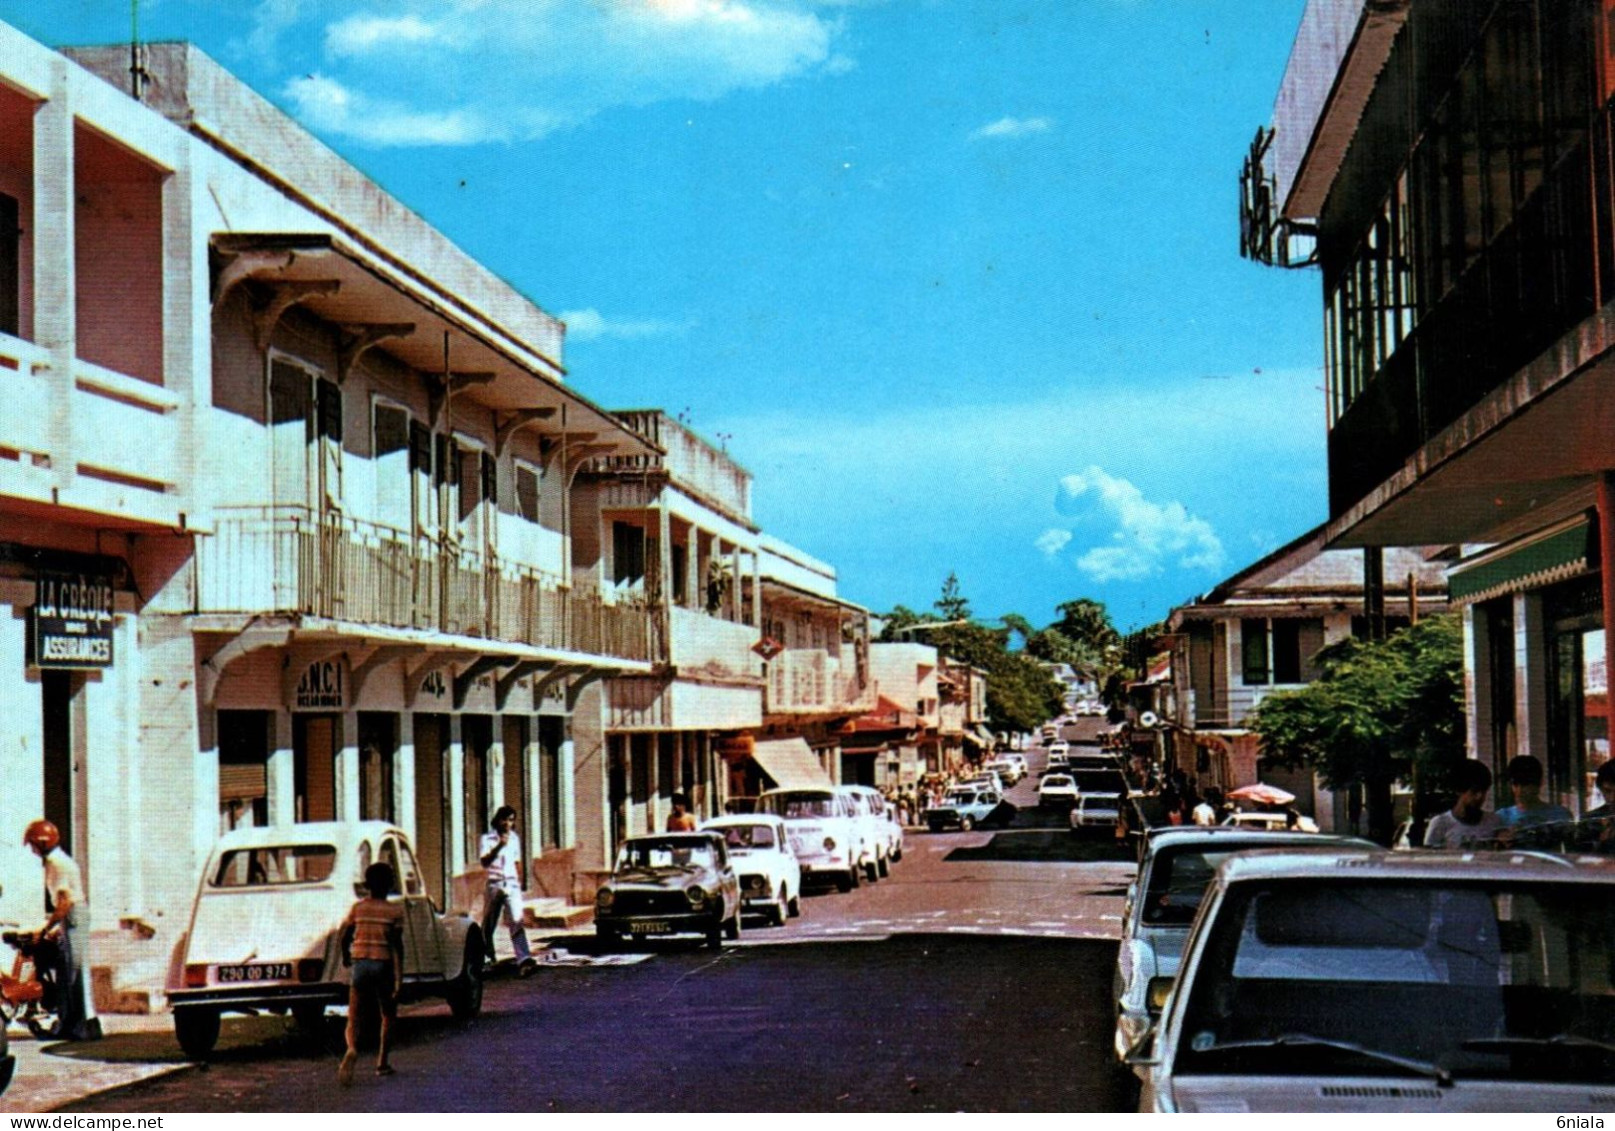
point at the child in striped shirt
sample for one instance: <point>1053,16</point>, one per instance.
<point>373,942</point>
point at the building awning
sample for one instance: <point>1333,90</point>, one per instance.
<point>1556,554</point>
<point>980,736</point>
<point>791,763</point>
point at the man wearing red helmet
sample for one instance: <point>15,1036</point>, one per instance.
<point>67,919</point>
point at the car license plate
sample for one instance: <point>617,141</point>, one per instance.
<point>651,927</point>
<point>256,972</point>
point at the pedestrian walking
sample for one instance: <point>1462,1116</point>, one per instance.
<point>67,924</point>
<point>373,949</point>
<point>500,852</point>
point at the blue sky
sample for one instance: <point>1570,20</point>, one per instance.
<point>956,279</point>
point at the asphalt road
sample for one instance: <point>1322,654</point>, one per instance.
<point>975,978</point>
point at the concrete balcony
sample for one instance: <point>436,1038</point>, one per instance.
<point>119,444</point>
<point>708,645</point>
<point>809,681</point>
<point>288,560</point>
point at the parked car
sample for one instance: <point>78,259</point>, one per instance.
<point>265,926</point>
<point>1007,770</point>
<point>1412,982</point>
<point>820,824</point>
<point>769,872</point>
<point>1096,811</point>
<point>1276,821</point>
<point>1107,780</point>
<point>967,807</point>
<point>1059,750</point>
<point>875,829</point>
<point>1176,865</point>
<point>1057,789</point>
<point>988,779</point>
<point>669,884</point>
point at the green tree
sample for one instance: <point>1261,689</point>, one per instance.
<point>952,604</point>
<point>1378,712</point>
<point>898,622</point>
<point>1087,622</point>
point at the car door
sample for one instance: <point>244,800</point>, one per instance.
<point>422,948</point>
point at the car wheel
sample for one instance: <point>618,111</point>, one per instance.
<point>897,854</point>
<point>197,1030</point>
<point>872,871</point>
<point>966,824</point>
<point>856,873</point>
<point>731,929</point>
<point>608,936</point>
<point>465,992</point>
<point>793,907</point>
<point>883,866</point>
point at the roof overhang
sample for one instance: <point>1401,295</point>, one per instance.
<point>797,595</point>
<point>345,286</point>
<point>1527,456</point>
<point>1339,51</point>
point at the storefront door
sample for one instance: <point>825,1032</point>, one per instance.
<point>315,742</point>
<point>431,808</point>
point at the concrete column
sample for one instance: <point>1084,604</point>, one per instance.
<point>535,781</point>
<point>653,777</point>
<point>347,768</point>
<point>22,763</point>
<point>1477,687</point>
<point>584,782</point>
<point>404,776</point>
<point>456,788</point>
<point>55,285</point>
<point>1606,545</point>
<point>282,771</point>
<point>187,310</point>
<point>1531,676</point>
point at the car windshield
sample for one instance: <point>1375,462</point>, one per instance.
<point>963,797</point>
<point>278,864</point>
<point>1490,979</point>
<point>804,803</point>
<point>1056,781</point>
<point>1100,781</point>
<point>639,855</point>
<point>742,838</point>
<point>1177,880</point>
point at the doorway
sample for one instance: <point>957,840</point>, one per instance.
<point>431,805</point>
<point>315,742</point>
<point>57,690</point>
<point>476,741</point>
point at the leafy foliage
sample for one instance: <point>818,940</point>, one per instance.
<point>1378,711</point>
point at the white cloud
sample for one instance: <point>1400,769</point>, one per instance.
<point>326,104</point>
<point>1146,537</point>
<point>533,66</point>
<point>358,35</point>
<point>1013,127</point>
<point>589,324</point>
<point>1051,542</point>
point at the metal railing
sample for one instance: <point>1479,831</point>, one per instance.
<point>290,560</point>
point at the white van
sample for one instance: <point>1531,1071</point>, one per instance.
<point>882,836</point>
<point>823,830</point>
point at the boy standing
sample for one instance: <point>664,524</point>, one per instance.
<point>1467,825</point>
<point>373,943</point>
<point>500,851</point>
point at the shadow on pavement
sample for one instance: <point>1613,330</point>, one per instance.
<point>1047,845</point>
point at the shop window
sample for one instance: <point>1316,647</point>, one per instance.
<point>243,769</point>
<point>1286,636</point>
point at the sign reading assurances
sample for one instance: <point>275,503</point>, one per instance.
<point>73,620</point>
<point>323,686</point>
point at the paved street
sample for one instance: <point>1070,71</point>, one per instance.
<point>974,983</point>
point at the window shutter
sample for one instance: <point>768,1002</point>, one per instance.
<point>448,462</point>
<point>490,478</point>
<point>330,410</point>
<point>420,447</point>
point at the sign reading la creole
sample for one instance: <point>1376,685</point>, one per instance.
<point>73,620</point>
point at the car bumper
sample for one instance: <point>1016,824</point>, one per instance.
<point>649,926</point>
<point>260,996</point>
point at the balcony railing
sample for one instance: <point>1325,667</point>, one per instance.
<point>290,560</point>
<point>702,643</point>
<point>811,681</point>
<point>125,432</point>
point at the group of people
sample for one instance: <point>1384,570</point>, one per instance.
<point>1528,823</point>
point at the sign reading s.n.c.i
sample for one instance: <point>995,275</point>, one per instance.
<point>73,620</point>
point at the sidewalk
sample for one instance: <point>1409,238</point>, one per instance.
<point>134,1047</point>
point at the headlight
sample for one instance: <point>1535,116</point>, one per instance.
<point>758,885</point>
<point>604,898</point>
<point>829,844</point>
<point>696,897</point>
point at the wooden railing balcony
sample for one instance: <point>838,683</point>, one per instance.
<point>289,560</point>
